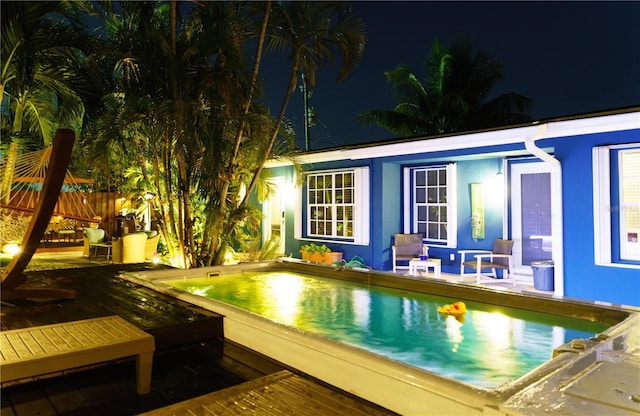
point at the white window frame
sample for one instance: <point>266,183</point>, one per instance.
<point>602,205</point>
<point>361,196</point>
<point>410,224</point>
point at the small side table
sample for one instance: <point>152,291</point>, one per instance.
<point>415,264</point>
<point>104,245</point>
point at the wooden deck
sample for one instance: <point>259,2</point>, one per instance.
<point>282,393</point>
<point>192,358</point>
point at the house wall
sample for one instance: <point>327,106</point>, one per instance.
<point>583,278</point>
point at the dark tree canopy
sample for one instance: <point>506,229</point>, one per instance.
<point>455,95</point>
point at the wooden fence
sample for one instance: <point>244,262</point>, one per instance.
<point>83,207</point>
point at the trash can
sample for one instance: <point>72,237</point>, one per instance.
<point>542,274</point>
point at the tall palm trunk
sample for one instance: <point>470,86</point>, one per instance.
<point>230,225</point>
<point>12,157</point>
<point>214,245</point>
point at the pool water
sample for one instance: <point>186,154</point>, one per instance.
<point>488,346</point>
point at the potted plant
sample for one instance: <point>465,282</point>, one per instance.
<point>320,253</point>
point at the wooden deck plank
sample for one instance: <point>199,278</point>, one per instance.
<point>282,393</point>
<point>67,400</point>
<point>31,402</point>
<point>335,402</point>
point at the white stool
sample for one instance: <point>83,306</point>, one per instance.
<point>415,264</point>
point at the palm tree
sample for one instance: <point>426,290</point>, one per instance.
<point>454,97</point>
<point>185,103</point>
<point>193,104</point>
<point>40,87</point>
<point>312,33</point>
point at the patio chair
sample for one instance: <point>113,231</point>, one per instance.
<point>406,247</point>
<point>499,257</point>
<point>151,246</point>
<point>91,236</point>
<point>66,229</point>
<point>130,248</point>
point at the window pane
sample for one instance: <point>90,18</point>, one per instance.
<point>420,178</point>
<point>433,232</point>
<point>432,177</point>
<point>433,214</point>
<point>421,196</point>
<point>348,196</point>
<point>348,180</point>
<point>443,177</point>
<point>422,213</point>
<point>442,196</point>
<point>433,195</point>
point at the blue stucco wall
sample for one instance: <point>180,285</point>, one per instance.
<point>583,278</point>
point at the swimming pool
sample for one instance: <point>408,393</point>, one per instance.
<point>462,367</point>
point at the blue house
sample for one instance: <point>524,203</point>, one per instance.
<point>566,190</point>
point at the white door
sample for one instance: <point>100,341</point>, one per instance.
<point>273,223</point>
<point>531,213</point>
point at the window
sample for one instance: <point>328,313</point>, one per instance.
<point>616,177</point>
<point>338,205</point>
<point>629,202</point>
<point>431,198</point>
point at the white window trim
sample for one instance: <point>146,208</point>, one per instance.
<point>452,204</point>
<point>361,211</point>
<point>602,234</point>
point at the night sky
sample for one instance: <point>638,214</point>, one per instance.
<point>570,57</point>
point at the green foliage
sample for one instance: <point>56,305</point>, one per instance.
<point>171,102</point>
<point>313,248</point>
<point>454,96</point>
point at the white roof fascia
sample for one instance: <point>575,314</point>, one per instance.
<point>555,129</point>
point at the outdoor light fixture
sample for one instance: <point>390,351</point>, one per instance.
<point>148,196</point>
<point>11,248</point>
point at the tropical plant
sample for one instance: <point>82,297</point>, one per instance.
<point>456,95</point>
<point>312,33</point>
<point>313,248</point>
<point>40,82</point>
<point>179,115</point>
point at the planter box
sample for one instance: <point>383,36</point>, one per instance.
<point>316,258</point>
<point>332,257</point>
<point>328,258</point>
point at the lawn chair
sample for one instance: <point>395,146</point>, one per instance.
<point>498,258</point>
<point>406,247</point>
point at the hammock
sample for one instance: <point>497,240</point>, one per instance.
<point>13,276</point>
<point>18,201</point>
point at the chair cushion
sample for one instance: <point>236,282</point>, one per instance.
<point>408,245</point>
<point>501,246</point>
<point>94,235</point>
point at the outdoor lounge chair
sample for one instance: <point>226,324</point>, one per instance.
<point>130,248</point>
<point>498,258</point>
<point>90,237</point>
<point>151,246</point>
<point>406,247</point>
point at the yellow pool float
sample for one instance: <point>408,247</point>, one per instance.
<point>455,309</point>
